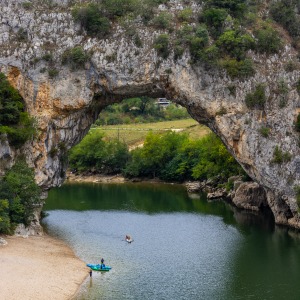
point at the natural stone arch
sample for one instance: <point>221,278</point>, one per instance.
<point>67,105</point>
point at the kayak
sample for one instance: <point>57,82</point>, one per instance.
<point>99,267</point>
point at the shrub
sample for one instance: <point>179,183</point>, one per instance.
<point>27,5</point>
<point>22,35</point>
<point>214,18</point>
<point>76,58</point>
<point>235,44</point>
<point>19,190</point>
<point>256,99</point>
<point>238,69</point>
<point>92,20</point>
<point>185,15</point>
<point>268,40</point>
<point>280,157</point>
<point>163,20</point>
<point>291,66</point>
<point>236,8</point>
<point>118,8</point>
<point>161,44</point>
<point>53,72</point>
<point>284,13</point>
<point>14,121</point>
<point>264,131</point>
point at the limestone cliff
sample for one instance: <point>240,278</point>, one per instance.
<point>65,105</point>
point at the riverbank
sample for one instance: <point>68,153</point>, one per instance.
<point>39,267</point>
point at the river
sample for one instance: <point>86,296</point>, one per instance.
<point>184,247</point>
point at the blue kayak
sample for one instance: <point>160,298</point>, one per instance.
<point>99,267</point>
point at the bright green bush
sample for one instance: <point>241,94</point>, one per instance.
<point>94,154</point>
<point>235,44</point>
<point>173,157</point>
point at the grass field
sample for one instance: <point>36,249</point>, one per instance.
<point>134,134</point>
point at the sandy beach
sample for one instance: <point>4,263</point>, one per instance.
<point>39,268</point>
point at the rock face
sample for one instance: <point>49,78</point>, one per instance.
<point>249,195</point>
<point>66,105</point>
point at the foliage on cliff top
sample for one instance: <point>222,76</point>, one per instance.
<point>14,121</point>
<point>228,29</point>
<point>19,194</point>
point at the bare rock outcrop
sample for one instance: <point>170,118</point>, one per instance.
<point>249,195</point>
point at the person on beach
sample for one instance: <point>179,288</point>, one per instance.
<point>91,272</point>
<point>102,261</point>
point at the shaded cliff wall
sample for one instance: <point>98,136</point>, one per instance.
<point>65,105</point>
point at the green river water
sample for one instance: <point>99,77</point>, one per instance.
<point>184,247</point>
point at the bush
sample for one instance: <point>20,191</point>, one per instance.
<point>235,44</point>
<point>236,8</point>
<point>53,72</point>
<point>280,157</point>
<point>14,121</point>
<point>238,69</point>
<point>268,40</point>
<point>185,15</point>
<point>284,13</point>
<point>161,44</point>
<point>264,131</point>
<point>163,20</point>
<point>119,8</point>
<point>75,57</point>
<point>20,194</point>
<point>256,99</point>
<point>92,20</point>
<point>94,154</point>
<point>214,18</point>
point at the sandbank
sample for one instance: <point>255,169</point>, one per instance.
<point>40,268</point>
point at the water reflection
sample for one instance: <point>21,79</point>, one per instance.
<point>230,253</point>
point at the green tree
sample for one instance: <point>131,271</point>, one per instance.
<point>19,188</point>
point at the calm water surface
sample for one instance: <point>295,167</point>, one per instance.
<point>184,248</point>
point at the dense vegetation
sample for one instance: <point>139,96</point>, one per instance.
<point>169,156</point>
<point>219,35</point>
<point>140,110</point>
<point>15,122</point>
<point>19,194</point>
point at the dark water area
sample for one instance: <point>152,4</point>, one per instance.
<point>184,247</point>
